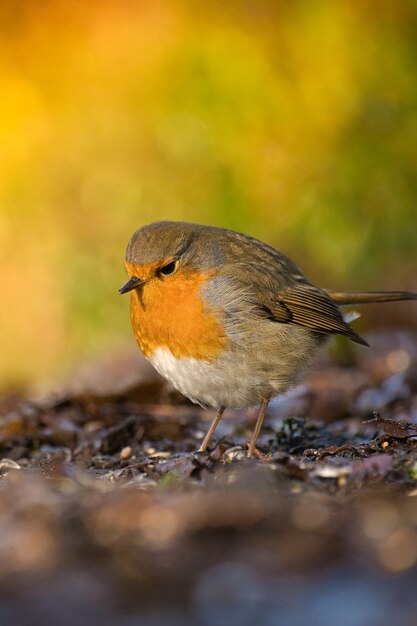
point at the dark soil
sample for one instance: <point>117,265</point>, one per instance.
<point>109,516</point>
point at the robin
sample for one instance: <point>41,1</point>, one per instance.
<point>227,319</point>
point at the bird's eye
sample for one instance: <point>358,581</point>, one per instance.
<point>169,269</point>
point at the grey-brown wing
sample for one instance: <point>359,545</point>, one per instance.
<point>293,300</point>
<point>281,293</point>
<point>305,305</point>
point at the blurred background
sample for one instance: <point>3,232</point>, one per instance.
<point>292,120</point>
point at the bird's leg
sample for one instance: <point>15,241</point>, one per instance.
<point>211,430</point>
<point>258,427</point>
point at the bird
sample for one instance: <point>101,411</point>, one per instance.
<point>229,320</point>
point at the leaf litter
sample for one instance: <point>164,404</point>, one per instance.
<point>109,515</point>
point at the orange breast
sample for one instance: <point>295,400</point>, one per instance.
<point>170,313</point>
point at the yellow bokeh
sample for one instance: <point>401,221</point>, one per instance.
<point>293,121</point>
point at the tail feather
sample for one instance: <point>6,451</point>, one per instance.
<point>367,297</point>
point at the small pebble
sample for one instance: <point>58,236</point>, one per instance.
<point>234,454</point>
<point>93,425</point>
<point>8,464</point>
<point>125,452</point>
<point>331,471</point>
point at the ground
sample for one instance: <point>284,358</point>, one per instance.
<point>109,516</point>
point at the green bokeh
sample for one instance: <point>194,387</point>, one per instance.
<point>293,121</point>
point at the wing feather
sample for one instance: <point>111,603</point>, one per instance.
<point>306,305</point>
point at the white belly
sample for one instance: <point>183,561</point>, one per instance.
<point>198,380</point>
<point>233,381</point>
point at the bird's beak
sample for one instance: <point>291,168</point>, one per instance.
<point>132,283</point>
